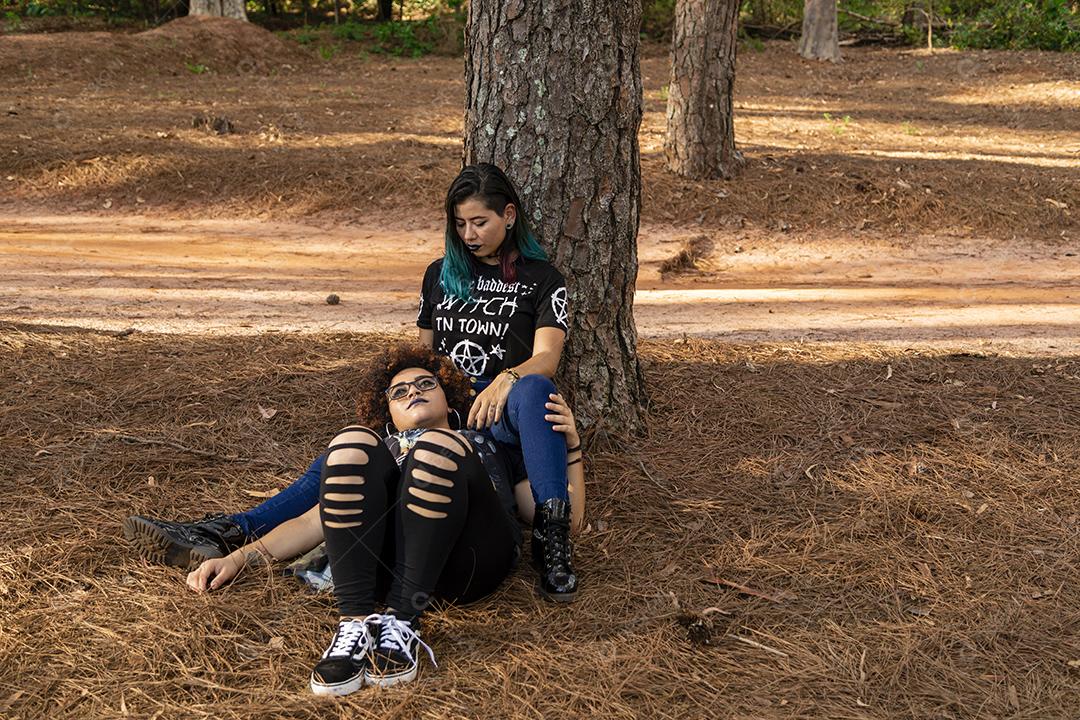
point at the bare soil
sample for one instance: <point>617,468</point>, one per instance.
<point>857,497</point>
<point>900,196</point>
<point>242,277</point>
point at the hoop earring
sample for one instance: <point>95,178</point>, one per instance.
<point>457,418</point>
<point>389,432</point>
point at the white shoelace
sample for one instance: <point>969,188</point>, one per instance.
<point>351,639</point>
<point>398,634</point>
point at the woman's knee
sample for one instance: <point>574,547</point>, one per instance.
<point>533,387</point>
<point>342,492</point>
<point>445,449</point>
<point>349,446</point>
<point>434,479</point>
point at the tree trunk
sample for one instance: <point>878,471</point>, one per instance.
<point>553,96</point>
<point>820,38</point>
<point>386,10</point>
<point>219,8</point>
<point>700,140</point>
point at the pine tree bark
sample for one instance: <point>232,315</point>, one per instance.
<point>700,141</point>
<point>553,96</point>
<point>820,38</point>
<point>218,8</point>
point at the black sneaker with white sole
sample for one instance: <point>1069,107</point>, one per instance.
<point>394,658</point>
<point>343,666</point>
<point>183,544</point>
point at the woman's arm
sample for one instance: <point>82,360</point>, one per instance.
<point>547,350</point>
<point>575,473</point>
<point>286,541</point>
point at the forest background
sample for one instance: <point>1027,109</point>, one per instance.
<point>856,496</point>
<point>417,27</point>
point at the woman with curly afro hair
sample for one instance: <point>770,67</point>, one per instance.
<point>499,311</point>
<point>421,512</point>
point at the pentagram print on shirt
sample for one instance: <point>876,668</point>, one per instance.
<point>494,328</point>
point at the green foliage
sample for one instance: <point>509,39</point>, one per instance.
<point>753,43</point>
<point>404,38</point>
<point>35,9</point>
<point>1031,24</point>
<point>1006,24</point>
<point>196,68</point>
<point>424,26</point>
<point>327,52</point>
<point>305,35</point>
<point>350,30</point>
<point>838,125</point>
<point>411,38</point>
<point>657,17</point>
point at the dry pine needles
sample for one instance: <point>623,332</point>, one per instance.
<point>846,533</point>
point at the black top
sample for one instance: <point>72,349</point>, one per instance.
<point>504,466</point>
<point>494,330</point>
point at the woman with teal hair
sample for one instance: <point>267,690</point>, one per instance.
<point>498,309</point>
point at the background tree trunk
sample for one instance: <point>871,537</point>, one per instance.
<point>219,8</point>
<point>386,10</point>
<point>820,38</point>
<point>700,140</point>
<point>553,96</point>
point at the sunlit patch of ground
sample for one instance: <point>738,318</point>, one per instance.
<point>991,135</point>
<point>249,277</point>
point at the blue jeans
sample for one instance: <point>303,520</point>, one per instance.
<point>291,502</point>
<point>523,425</point>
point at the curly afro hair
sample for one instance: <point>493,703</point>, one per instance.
<point>372,407</point>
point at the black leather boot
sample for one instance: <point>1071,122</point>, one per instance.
<point>552,553</point>
<point>183,544</point>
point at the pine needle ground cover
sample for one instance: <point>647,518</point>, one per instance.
<point>806,531</point>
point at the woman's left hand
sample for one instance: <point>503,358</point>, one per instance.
<point>487,408</point>
<point>213,573</point>
<point>562,419</point>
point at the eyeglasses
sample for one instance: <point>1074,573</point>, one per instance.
<point>401,390</point>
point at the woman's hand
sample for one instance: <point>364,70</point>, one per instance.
<point>487,408</point>
<point>214,573</point>
<point>559,414</point>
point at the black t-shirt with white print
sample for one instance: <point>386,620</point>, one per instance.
<point>494,330</point>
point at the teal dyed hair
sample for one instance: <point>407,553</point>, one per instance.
<point>491,185</point>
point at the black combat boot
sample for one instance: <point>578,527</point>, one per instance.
<point>183,544</point>
<point>552,553</point>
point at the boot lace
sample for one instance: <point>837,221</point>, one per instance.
<point>557,544</point>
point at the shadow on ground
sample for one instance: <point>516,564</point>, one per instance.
<point>903,527</point>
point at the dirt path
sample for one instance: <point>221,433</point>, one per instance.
<point>901,197</point>
<point>247,277</point>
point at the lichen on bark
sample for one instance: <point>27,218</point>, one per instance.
<point>560,83</point>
